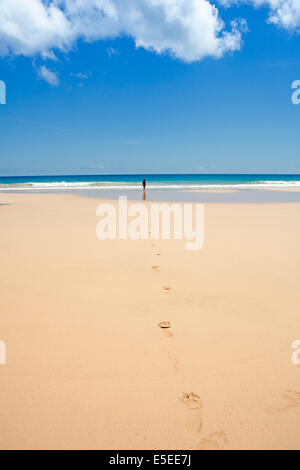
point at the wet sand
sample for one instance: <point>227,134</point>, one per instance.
<point>213,191</point>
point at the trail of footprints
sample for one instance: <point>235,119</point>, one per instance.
<point>191,401</point>
<point>217,440</point>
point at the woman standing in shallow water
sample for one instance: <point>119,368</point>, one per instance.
<point>144,189</point>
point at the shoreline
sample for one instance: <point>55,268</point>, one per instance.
<point>250,196</point>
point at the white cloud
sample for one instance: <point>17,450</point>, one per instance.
<point>283,13</point>
<point>188,29</point>
<point>112,51</point>
<point>49,55</point>
<point>96,166</point>
<point>47,75</point>
<point>28,27</point>
<point>81,75</point>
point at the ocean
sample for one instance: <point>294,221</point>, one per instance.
<point>160,182</point>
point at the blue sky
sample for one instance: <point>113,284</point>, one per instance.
<point>114,108</point>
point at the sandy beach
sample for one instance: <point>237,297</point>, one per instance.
<point>287,190</point>
<point>88,366</point>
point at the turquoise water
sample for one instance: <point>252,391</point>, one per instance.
<point>128,182</point>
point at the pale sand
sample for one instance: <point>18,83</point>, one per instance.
<point>216,191</point>
<point>286,190</point>
<point>88,365</point>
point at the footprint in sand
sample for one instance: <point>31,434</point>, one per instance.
<point>291,400</point>
<point>165,326</point>
<point>216,441</point>
<point>155,268</point>
<point>194,404</point>
<point>167,289</point>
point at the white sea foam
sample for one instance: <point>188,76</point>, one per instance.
<point>111,185</point>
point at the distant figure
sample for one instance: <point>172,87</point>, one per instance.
<point>144,189</point>
<point>144,184</point>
